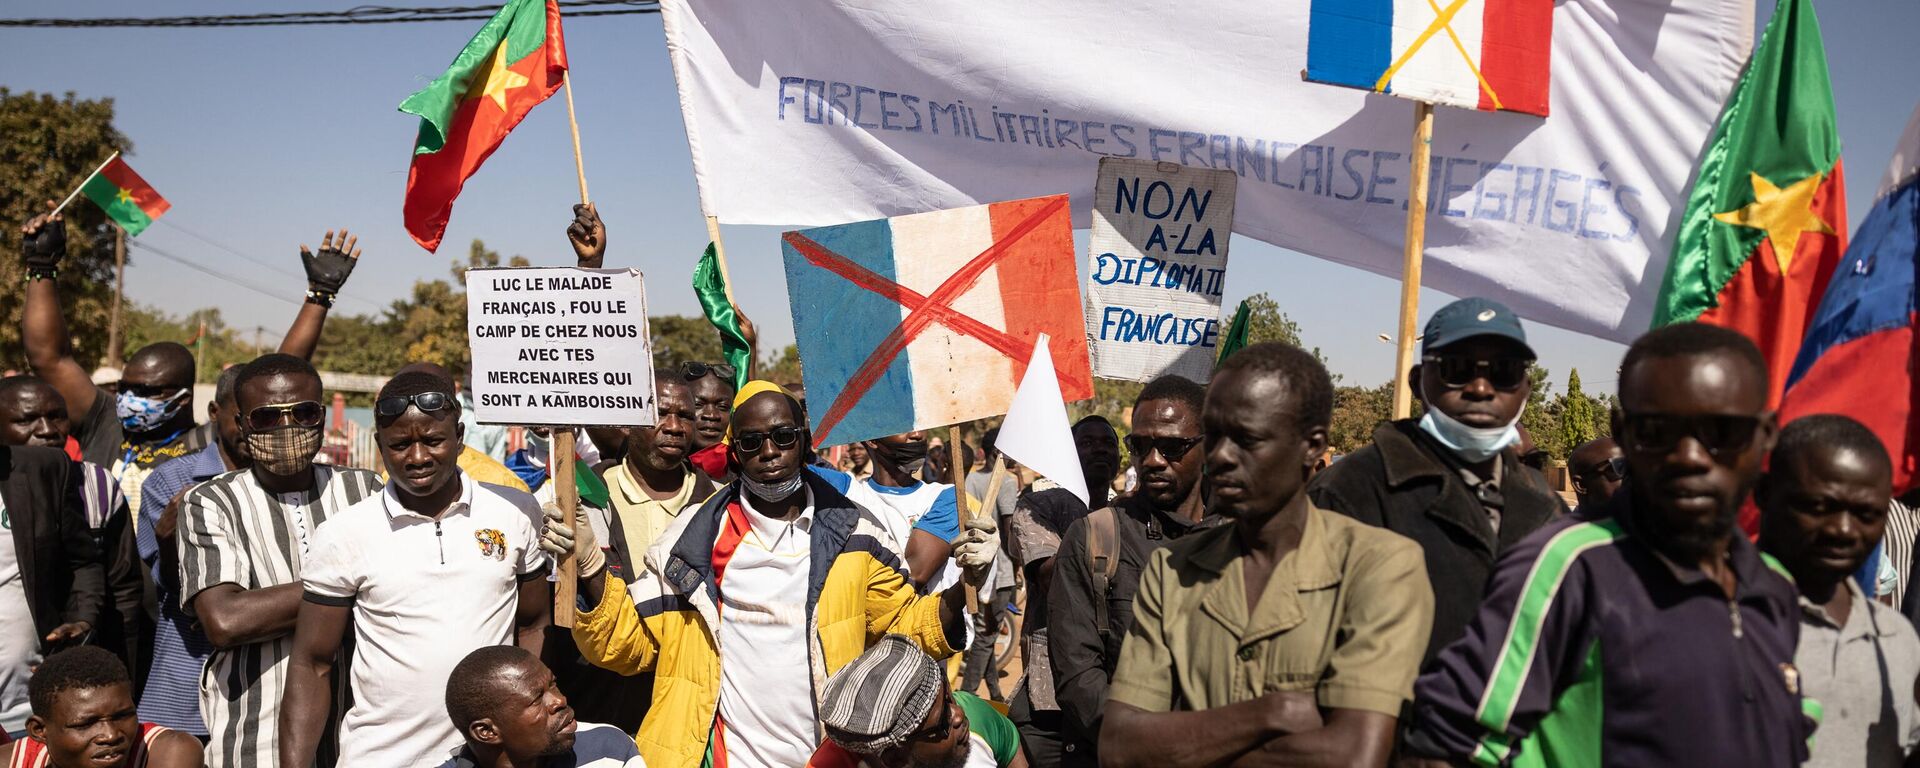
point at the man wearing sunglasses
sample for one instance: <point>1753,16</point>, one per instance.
<point>746,602</point>
<point>1598,468</point>
<point>1649,631</point>
<point>150,419</point>
<point>1097,571</point>
<point>422,573</point>
<point>892,708</point>
<point>242,538</point>
<point>1453,479</point>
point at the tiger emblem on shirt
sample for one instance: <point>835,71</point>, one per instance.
<point>492,542</point>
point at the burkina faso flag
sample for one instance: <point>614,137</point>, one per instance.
<point>126,198</point>
<point>516,61</point>
<point>1765,222</point>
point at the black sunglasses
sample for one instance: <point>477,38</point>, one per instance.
<point>427,402</point>
<point>1456,372</point>
<point>938,731</point>
<point>1661,433</point>
<point>752,442</point>
<point>1170,448</point>
<point>1614,469</point>
<point>307,413</point>
<point>695,371</point>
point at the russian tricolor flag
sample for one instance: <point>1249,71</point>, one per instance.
<point>928,319</point>
<point>1477,54</point>
<point>1858,356</point>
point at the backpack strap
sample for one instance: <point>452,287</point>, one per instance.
<point>1103,560</point>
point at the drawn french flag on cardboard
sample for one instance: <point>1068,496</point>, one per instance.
<point>1477,54</point>
<point>928,319</point>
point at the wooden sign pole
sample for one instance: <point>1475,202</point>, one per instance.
<point>1410,268</point>
<point>565,493</point>
<point>958,471</point>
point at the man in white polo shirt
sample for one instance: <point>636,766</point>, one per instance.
<point>436,566</point>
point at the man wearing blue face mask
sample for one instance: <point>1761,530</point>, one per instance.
<point>1452,479</point>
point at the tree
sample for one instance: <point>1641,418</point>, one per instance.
<point>1582,417</point>
<point>1540,418</point>
<point>682,338</point>
<point>47,147</point>
<point>1357,412</point>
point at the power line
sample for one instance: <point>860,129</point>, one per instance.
<point>365,14</point>
<point>255,287</point>
<point>268,265</point>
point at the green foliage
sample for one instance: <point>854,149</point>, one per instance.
<point>681,338</point>
<point>47,147</point>
<point>1357,412</point>
<point>1582,417</point>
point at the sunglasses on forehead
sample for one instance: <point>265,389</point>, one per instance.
<point>307,413</point>
<point>697,371</point>
<point>427,402</point>
<point>782,437</point>
<point>1458,372</point>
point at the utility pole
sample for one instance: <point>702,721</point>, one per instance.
<point>119,292</point>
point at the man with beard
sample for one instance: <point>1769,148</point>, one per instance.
<point>32,413</point>
<point>1040,517</point>
<point>1650,632</point>
<point>746,602</point>
<point>1453,480</point>
<point>920,516</point>
<point>149,418</point>
<point>1095,576</point>
<point>431,568</point>
<point>1290,636</point>
<point>513,715</point>
<point>180,647</point>
<point>83,718</point>
<point>1823,508</point>
<point>891,708</point>
<point>242,538</point>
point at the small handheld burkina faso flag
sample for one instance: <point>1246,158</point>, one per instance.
<point>126,198</point>
<point>1765,222</point>
<point>516,61</point>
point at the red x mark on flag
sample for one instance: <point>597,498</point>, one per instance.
<point>924,310</point>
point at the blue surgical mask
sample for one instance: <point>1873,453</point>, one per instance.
<point>1474,444</point>
<point>143,414</point>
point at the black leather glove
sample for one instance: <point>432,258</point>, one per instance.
<point>328,269</point>
<point>42,250</point>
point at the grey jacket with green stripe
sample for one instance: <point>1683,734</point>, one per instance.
<point>1592,649</point>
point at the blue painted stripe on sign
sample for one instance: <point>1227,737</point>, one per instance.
<point>839,324</point>
<point>1349,42</point>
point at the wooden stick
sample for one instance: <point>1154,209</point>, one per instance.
<point>83,183</point>
<point>959,472</point>
<point>1410,268</point>
<point>579,165</point>
<point>567,495</point>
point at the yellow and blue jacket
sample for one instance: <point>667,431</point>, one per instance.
<point>665,622</point>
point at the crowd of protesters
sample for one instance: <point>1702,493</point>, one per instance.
<point>178,592</point>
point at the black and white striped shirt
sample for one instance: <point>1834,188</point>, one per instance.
<point>234,532</point>
<point>1902,526</point>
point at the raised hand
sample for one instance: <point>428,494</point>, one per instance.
<point>327,270</point>
<point>588,236</point>
<point>43,240</point>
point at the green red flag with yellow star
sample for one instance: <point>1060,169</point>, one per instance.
<point>127,199</point>
<point>516,61</point>
<point>1765,222</point>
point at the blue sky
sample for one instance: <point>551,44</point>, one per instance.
<point>265,138</point>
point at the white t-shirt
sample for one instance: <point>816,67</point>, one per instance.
<point>766,692</point>
<point>19,642</point>
<point>424,594</point>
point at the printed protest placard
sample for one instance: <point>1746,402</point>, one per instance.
<point>1157,261</point>
<point>560,345</point>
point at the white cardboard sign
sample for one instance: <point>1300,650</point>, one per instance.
<point>560,345</point>
<point>1156,263</point>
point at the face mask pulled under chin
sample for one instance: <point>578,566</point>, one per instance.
<point>284,451</point>
<point>1473,444</point>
